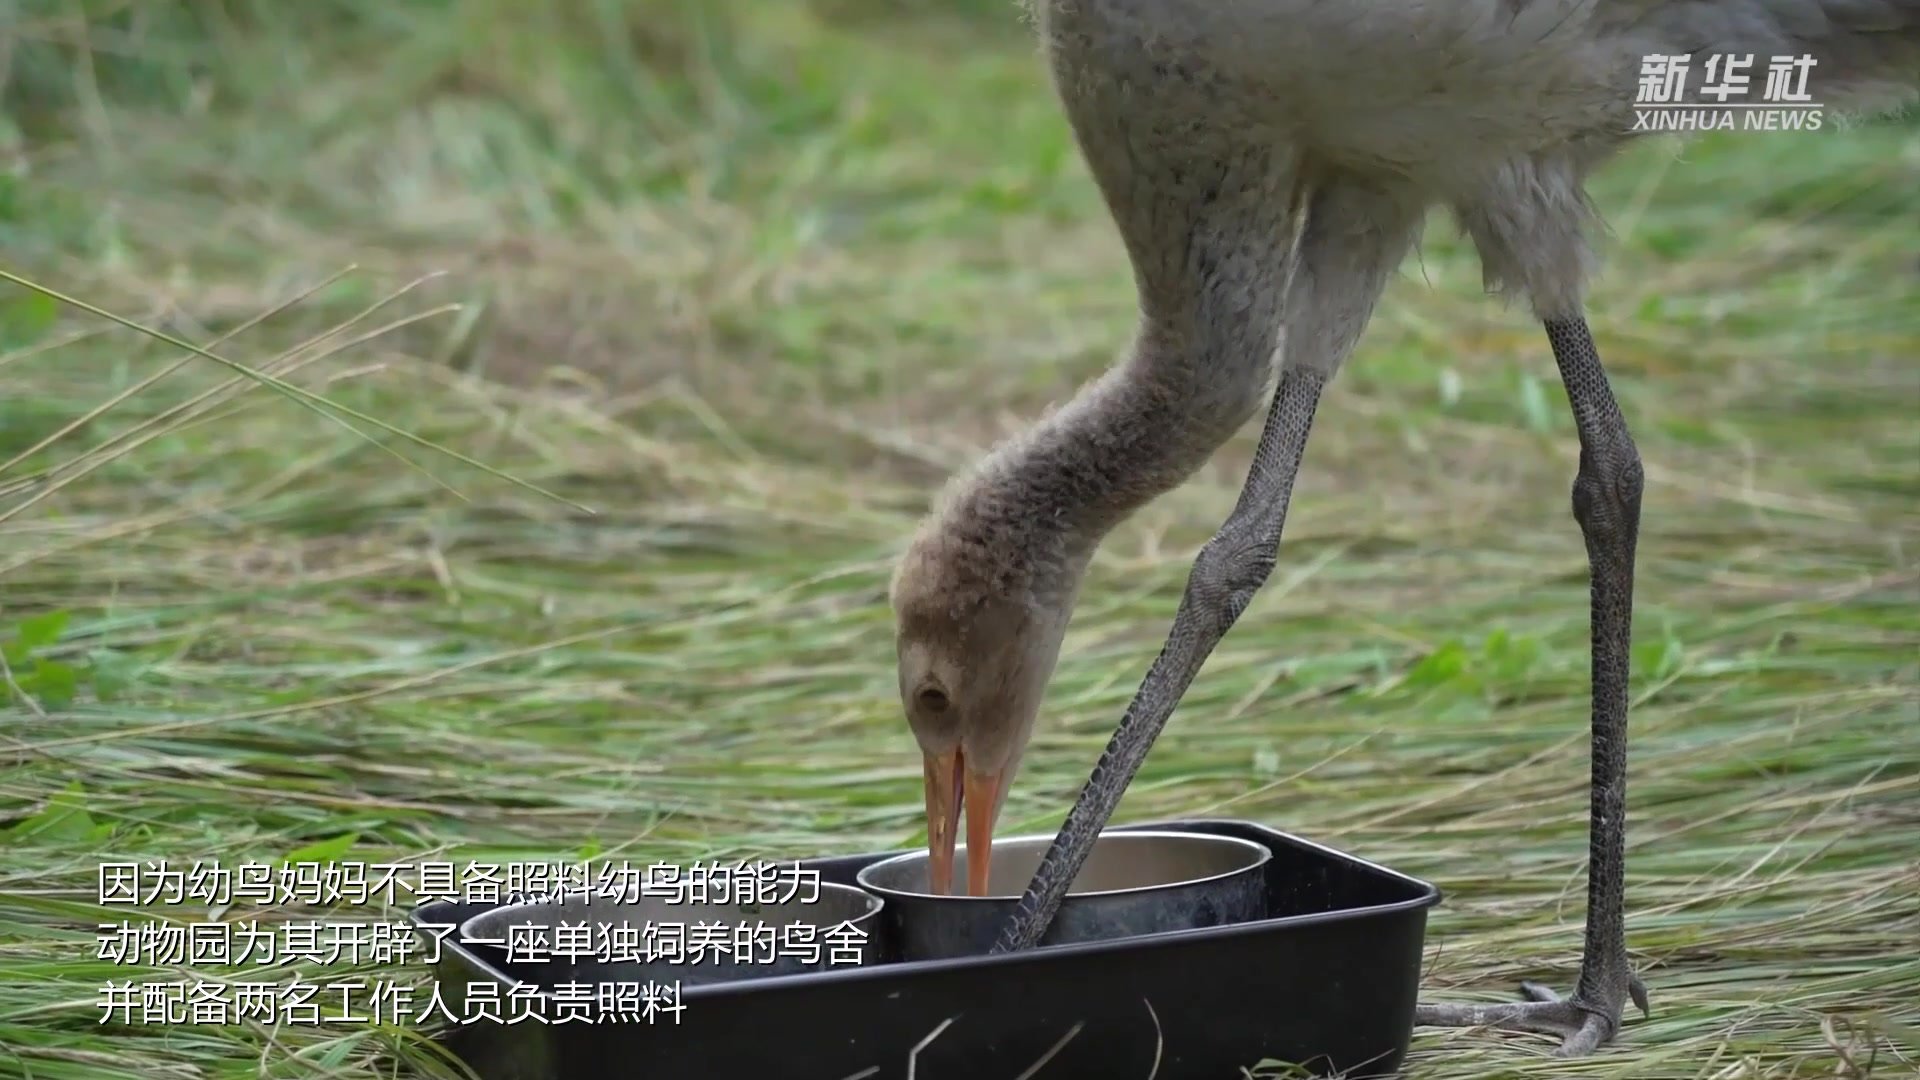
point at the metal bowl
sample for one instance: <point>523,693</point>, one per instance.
<point>1133,883</point>
<point>594,938</point>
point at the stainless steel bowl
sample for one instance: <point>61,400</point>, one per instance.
<point>1133,883</point>
<point>651,939</point>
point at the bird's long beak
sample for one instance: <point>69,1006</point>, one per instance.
<point>950,786</point>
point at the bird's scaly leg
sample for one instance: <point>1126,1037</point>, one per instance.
<point>1230,568</point>
<point>1606,502</point>
<point>1346,241</point>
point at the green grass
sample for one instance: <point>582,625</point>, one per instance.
<point>749,286</point>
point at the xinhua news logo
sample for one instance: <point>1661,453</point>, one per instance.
<point>1726,100</point>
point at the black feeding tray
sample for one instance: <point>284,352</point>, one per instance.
<point>1327,981</point>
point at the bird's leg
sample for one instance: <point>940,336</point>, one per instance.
<point>1606,502</point>
<point>1230,568</point>
<point>1347,238</point>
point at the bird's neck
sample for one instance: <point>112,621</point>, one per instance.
<point>1132,435</point>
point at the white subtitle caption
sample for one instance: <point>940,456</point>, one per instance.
<point>245,950</point>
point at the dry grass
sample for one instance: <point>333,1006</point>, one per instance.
<point>748,287</point>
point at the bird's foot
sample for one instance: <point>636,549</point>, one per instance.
<point>1583,1024</point>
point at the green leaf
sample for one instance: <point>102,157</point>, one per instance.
<point>1658,659</point>
<point>111,673</point>
<point>322,851</point>
<point>42,630</point>
<point>63,820</point>
<point>1508,658</point>
<point>1443,665</point>
<point>336,1055</point>
<point>53,683</point>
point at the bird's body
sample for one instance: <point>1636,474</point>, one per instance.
<point>1269,164</point>
<point>1494,109</point>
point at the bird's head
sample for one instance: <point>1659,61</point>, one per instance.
<point>980,607</point>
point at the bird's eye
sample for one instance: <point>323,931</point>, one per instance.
<point>932,698</point>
